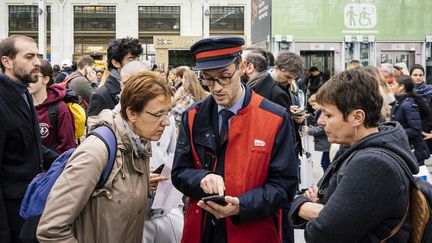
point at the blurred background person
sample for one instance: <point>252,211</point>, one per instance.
<point>407,111</point>
<point>385,91</point>
<point>387,71</point>
<point>190,92</point>
<point>317,131</point>
<point>62,137</point>
<point>353,64</point>
<point>400,69</point>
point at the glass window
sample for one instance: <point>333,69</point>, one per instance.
<point>227,20</point>
<point>429,62</point>
<point>94,18</point>
<point>159,19</point>
<point>25,18</point>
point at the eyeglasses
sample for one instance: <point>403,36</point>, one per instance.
<point>224,80</point>
<point>159,116</point>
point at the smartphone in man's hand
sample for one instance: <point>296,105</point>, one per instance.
<point>216,199</point>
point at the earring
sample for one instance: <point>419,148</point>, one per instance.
<point>355,130</point>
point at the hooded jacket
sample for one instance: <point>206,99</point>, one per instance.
<point>61,138</point>
<point>76,212</point>
<point>367,196</point>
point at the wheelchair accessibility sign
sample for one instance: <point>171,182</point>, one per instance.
<point>360,16</point>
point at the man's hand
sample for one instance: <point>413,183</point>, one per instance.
<point>232,208</point>
<point>154,180</point>
<point>306,129</point>
<point>299,117</point>
<point>91,75</point>
<point>213,184</point>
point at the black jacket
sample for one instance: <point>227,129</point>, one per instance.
<point>365,192</point>
<point>407,113</point>
<point>20,152</point>
<point>265,86</point>
<point>105,97</point>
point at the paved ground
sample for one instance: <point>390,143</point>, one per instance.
<point>318,172</point>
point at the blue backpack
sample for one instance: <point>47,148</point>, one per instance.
<point>37,192</point>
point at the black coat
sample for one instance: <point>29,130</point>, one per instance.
<point>20,154</point>
<point>106,97</point>
<point>269,89</point>
<point>407,113</point>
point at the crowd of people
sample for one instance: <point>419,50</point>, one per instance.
<point>224,134</point>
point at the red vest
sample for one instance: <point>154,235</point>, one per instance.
<point>250,142</point>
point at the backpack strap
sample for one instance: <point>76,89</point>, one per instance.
<point>107,135</point>
<point>53,118</point>
<point>407,171</point>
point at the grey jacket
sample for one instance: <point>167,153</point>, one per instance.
<point>82,87</point>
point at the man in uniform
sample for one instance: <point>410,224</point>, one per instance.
<point>236,145</point>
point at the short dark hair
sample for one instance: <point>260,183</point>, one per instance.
<point>313,69</point>
<point>119,48</point>
<point>140,88</point>
<point>56,68</point>
<point>289,61</point>
<point>47,71</point>
<point>258,57</point>
<point>360,91</point>
<point>417,66</point>
<point>85,60</point>
<point>271,59</point>
<point>8,48</point>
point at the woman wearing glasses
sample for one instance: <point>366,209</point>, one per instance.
<point>75,211</point>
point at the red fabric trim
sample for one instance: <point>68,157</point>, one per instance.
<point>219,52</point>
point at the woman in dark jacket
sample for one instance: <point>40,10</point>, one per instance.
<point>407,111</point>
<point>364,194</point>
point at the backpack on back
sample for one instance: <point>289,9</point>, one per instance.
<point>38,190</point>
<point>65,85</point>
<point>77,112</point>
<point>420,205</point>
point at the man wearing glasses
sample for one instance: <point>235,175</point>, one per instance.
<point>237,147</point>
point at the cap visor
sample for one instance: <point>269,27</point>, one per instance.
<point>212,64</point>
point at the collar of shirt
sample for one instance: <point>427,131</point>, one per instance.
<point>234,109</point>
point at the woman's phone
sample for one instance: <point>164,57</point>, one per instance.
<point>159,169</point>
<point>216,199</point>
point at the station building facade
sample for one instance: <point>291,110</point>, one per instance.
<point>329,34</point>
<point>167,28</point>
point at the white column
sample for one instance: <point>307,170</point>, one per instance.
<point>3,21</point>
<point>127,19</point>
<point>42,28</point>
<point>206,19</point>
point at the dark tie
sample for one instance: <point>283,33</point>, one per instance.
<point>226,115</point>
